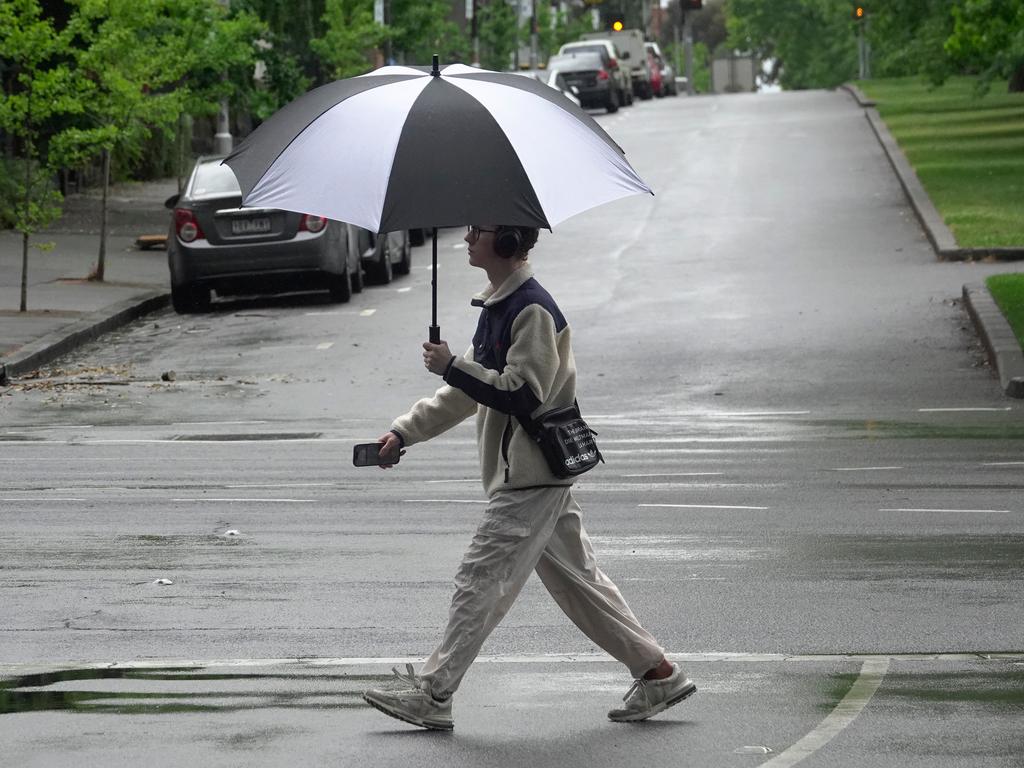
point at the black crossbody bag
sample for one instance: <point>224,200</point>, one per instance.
<point>565,439</point>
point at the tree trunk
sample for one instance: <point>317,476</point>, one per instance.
<point>29,142</point>
<point>102,258</point>
<point>1017,79</point>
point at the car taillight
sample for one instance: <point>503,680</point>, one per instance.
<point>186,226</point>
<point>613,63</point>
<point>312,223</point>
<point>602,74</point>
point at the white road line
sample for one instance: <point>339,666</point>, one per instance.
<point>445,501</point>
<point>253,501</point>
<point>367,312</point>
<point>862,469</point>
<point>403,290</point>
<point>430,482</point>
<point>846,711</point>
<point>210,423</point>
<point>992,511</point>
<point>677,474</point>
<point>458,246</point>
<point>552,658</point>
<point>325,345</point>
<point>281,485</point>
<point>1003,464</point>
<point>700,506</point>
<point>37,499</point>
<point>962,410</point>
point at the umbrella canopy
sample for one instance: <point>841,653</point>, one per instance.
<point>408,147</point>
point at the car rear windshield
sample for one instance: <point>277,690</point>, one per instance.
<point>214,180</point>
<point>598,49</point>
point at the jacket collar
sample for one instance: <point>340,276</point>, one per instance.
<point>491,295</point>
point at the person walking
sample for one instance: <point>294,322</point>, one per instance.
<point>519,365</point>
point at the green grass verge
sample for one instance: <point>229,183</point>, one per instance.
<point>967,151</point>
<point>1008,291</point>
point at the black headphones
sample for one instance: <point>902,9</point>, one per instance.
<point>508,241</point>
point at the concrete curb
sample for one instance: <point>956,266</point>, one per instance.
<point>942,240</point>
<point>60,342</point>
<point>1004,352</point>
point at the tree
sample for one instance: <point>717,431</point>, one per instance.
<point>421,28</point>
<point>908,37</point>
<point>350,38</point>
<point>149,63</point>
<point>39,87</point>
<point>811,41</point>
<point>988,39</point>
<point>499,35</point>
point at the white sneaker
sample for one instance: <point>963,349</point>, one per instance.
<point>647,698</point>
<point>413,705</point>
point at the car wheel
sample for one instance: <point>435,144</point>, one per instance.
<point>340,286</point>
<point>417,237</point>
<point>613,101</point>
<point>189,298</point>
<point>379,272</point>
<point>404,264</point>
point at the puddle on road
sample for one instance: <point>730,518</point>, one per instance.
<point>48,692</point>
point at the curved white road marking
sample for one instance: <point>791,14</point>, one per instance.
<point>871,674</point>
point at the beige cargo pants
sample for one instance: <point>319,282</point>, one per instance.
<point>537,528</point>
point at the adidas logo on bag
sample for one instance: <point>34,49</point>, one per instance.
<point>574,460</point>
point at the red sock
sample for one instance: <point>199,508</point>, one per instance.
<point>660,672</point>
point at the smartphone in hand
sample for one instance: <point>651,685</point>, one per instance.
<point>369,455</point>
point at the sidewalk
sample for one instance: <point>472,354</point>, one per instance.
<point>64,307</point>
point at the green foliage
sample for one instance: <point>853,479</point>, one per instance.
<point>421,28</point>
<point>350,38</point>
<point>499,35</point>
<point>907,37</point>
<point>988,38</point>
<point>39,88</point>
<point>812,41</point>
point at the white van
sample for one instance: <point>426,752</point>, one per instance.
<point>630,43</point>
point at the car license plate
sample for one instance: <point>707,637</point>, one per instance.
<point>250,226</point>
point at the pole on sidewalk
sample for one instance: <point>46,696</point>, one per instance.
<point>688,42</point>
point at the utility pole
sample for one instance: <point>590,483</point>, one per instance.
<point>533,34</point>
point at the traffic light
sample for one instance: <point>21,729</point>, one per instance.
<point>859,13</point>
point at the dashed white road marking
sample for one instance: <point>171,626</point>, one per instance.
<point>963,410</point>
<point>458,246</point>
<point>701,506</point>
<point>367,312</point>
<point>325,345</point>
<point>252,501</point>
<point>677,474</point>
<point>990,511</point>
<point>211,423</point>
<point>430,482</point>
<point>282,485</point>
<point>871,675</point>
<point>862,469</point>
<point>403,290</point>
<point>1003,464</point>
<point>38,499</point>
<point>445,501</point>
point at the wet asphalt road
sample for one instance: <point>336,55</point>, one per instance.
<point>805,456</point>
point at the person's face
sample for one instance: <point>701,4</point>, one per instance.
<point>480,239</point>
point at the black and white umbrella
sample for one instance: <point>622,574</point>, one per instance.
<point>409,147</point>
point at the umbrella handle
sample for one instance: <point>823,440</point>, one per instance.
<point>435,329</point>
